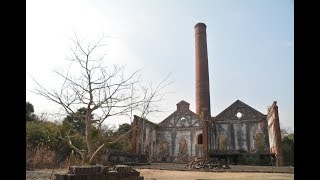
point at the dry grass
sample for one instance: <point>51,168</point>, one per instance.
<point>40,157</point>
<point>44,158</point>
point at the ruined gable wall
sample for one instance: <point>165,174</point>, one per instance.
<point>274,133</point>
<point>239,134</point>
<point>143,136</point>
<point>179,131</point>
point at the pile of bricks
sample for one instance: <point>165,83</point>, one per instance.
<point>122,168</point>
<point>201,164</point>
<point>117,172</point>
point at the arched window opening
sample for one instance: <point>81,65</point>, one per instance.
<point>222,142</point>
<point>183,147</point>
<point>200,139</point>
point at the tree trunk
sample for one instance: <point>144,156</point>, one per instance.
<point>89,141</point>
<point>99,150</point>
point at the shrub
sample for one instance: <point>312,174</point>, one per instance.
<point>44,134</point>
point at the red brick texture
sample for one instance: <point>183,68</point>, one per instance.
<point>202,73</point>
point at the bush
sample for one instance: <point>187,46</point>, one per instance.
<point>288,151</point>
<point>44,134</point>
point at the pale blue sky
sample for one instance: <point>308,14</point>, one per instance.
<point>250,47</point>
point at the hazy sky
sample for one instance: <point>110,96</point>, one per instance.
<point>250,47</point>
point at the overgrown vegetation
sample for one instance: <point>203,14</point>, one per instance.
<point>288,147</point>
<point>30,116</point>
<point>46,149</point>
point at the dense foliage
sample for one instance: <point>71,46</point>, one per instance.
<point>288,148</point>
<point>44,139</point>
<point>30,116</point>
<point>76,121</point>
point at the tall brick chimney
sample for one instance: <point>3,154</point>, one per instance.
<point>202,73</point>
<point>202,82</point>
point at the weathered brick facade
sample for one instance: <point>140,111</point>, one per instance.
<point>185,135</point>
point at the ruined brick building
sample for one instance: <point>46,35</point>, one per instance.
<point>185,134</point>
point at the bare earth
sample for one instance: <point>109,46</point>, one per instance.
<point>175,175</point>
<point>155,174</point>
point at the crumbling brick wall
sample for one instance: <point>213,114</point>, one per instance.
<point>274,133</point>
<point>143,136</point>
<point>239,132</point>
<point>174,139</point>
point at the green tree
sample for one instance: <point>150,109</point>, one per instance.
<point>30,116</point>
<point>288,148</point>
<point>77,120</point>
<point>123,128</point>
<point>44,133</point>
<point>125,143</point>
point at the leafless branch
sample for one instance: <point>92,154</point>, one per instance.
<point>104,90</point>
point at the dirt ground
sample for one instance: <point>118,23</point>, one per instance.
<point>175,175</point>
<point>155,174</point>
<point>233,168</point>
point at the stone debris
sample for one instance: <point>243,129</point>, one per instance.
<point>100,172</point>
<point>122,169</point>
<point>202,164</point>
<point>80,170</point>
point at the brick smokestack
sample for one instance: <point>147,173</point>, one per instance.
<point>202,73</point>
<point>202,82</point>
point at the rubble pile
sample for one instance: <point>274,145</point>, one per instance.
<point>211,164</point>
<point>100,172</point>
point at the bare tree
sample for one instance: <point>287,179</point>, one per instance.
<point>104,91</point>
